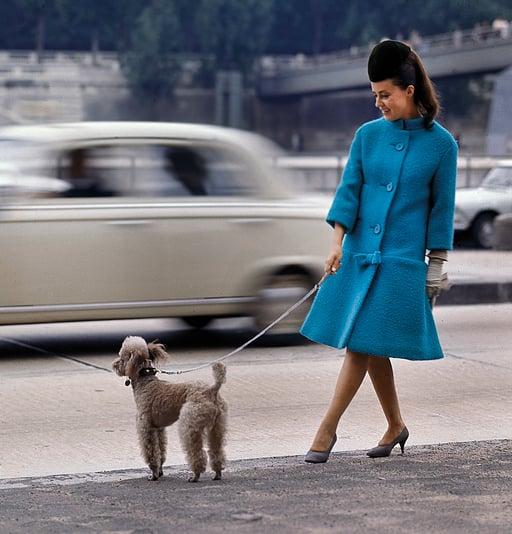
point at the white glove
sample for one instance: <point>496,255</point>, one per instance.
<point>437,281</point>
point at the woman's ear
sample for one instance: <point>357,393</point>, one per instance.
<point>409,91</point>
<point>157,352</point>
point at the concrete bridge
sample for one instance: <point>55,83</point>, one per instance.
<point>454,54</point>
<point>459,53</point>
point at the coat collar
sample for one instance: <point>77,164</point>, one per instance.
<point>408,124</point>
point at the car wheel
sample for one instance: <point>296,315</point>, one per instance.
<point>482,230</point>
<point>197,321</point>
<point>277,295</point>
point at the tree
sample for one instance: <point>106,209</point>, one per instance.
<point>36,13</point>
<point>150,61</point>
<point>232,32</point>
<point>96,24</point>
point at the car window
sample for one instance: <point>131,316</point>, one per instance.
<point>498,178</point>
<point>97,171</point>
<point>180,169</point>
<point>140,169</point>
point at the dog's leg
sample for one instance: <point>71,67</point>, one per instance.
<point>216,441</point>
<point>150,447</point>
<point>191,425</point>
<point>162,440</point>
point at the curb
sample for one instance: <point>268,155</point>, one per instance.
<point>476,293</point>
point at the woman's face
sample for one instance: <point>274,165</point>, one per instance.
<point>393,101</point>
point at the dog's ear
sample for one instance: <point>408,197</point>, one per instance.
<point>157,352</point>
<point>118,366</point>
<point>135,363</point>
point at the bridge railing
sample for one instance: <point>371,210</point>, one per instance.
<point>322,173</point>
<point>458,39</point>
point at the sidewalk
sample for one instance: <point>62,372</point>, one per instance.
<point>478,277</point>
<point>455,488</point>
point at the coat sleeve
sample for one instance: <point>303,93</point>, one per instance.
<point>345,205</point>
<point>442,202</point>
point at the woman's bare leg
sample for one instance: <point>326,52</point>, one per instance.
<point>350,378</point>
<point>381,374</point>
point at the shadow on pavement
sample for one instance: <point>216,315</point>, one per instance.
<point>84,339</point>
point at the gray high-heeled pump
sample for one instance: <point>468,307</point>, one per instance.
<point>320,457</point>
<point>385,450</point>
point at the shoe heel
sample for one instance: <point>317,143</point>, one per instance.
<point>402,443</point>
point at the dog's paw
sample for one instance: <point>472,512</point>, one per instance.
<point>217,476</point>
<point>194,478</point>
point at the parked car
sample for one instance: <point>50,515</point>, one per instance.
<point>476,208</point>
<point>503,232</point>
<point>133,220</point>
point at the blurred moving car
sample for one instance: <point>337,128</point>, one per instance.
<point>476,208</point>
<point>133,220</point>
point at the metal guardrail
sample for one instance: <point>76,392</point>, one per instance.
<point>429,45</point>
<point>322,173</point>
<point>30,57</point>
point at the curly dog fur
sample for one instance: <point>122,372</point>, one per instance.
<point>200,409</point>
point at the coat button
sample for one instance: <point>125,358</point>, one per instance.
<point>399,146</point>
<point>376,229</point>
<point>389,187</point>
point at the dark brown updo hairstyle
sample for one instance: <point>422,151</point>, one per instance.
<point>413,72</point>
<point>396,61</point>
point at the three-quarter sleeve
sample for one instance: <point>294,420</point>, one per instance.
<point>345,205</point>
<point>442,202</point>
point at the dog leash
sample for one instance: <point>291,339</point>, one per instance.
<point>55,354</point>
<point>178,372</point>
<point>259,334</point>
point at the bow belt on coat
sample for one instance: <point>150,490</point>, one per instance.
<point>373,258</point>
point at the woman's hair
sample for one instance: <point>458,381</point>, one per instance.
<point>413,72</point>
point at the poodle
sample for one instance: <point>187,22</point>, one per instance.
<point>200,409</point>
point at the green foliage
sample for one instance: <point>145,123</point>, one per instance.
<point>150,61</point>
<point>152,35</point>
<point>232,32</point>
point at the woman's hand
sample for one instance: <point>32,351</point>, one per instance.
<point>333,261</point>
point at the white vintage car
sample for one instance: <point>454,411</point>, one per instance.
<point>133,220</point>
<point>476,208</point>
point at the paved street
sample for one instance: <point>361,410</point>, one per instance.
<point>457,488</point>
<point>60,417</point>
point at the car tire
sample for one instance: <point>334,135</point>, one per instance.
<point>197,321</point>
<point>278,294</point>
<point>482,230</point>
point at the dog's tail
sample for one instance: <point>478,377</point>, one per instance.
<point>219,375</point>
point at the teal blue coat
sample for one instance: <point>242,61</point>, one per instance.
<point>396,201</point>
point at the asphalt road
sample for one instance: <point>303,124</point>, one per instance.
<point>456,488</point>
<point>60,417</point>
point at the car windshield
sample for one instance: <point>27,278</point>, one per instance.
<point>498,178</point>
<point>25,167</point>
<point>23,156</point>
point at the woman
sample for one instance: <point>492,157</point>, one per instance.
<point>394,203</point>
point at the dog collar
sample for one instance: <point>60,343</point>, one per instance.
<point>148,371</point>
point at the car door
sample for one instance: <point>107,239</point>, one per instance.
<point>210,219</point>
<point>77,254</point>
